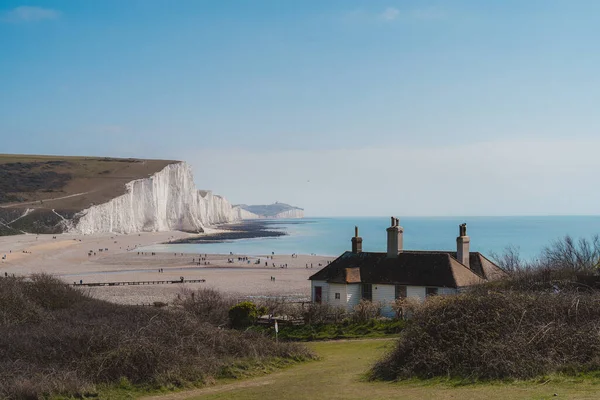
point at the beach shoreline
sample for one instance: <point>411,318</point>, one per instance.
<point>78,259</point>
<point>247,229</point>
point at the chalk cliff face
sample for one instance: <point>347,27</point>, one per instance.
<point>167,200</point>
<point>240,214</point>
<point>293,213</point>
<point>269,211</point>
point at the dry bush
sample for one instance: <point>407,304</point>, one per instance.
<point>404,307</point>
<point>510,260</point>
<point>208,304</point>
<point>316,314</point>
<point>366,310</point>
<point>278,306</point>
<point>15,307</point>
<point>66,347</point>
<point>498,335</point>
<point>579,256</point>
<point>564,265</point>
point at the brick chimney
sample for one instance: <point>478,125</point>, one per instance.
<point>356,242</point>
<point>395,238</point>
<point>462,245</point>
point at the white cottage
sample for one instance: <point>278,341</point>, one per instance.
<point>399,273</point>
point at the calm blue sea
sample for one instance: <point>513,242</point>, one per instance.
<point>331,236</point>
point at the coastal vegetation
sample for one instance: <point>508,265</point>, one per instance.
<point>56,340</point>
<point>347,329</point>
<point>543,319</point>
<point>296,321</point>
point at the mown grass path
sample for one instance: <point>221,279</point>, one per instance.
<point>339,374</point>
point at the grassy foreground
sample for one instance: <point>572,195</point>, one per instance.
<point>340,375</point>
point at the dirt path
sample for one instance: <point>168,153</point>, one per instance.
<point>215,389</point>
<point>10,205</point>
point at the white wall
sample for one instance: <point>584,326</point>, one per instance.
<point>350,294</point>
<point>415,292</point>
<point>385,294</point>
<point>337,288</point>
<point>353,295</point>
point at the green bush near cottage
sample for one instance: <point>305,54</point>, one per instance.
<point>347,329</point>
<point>244,314</point>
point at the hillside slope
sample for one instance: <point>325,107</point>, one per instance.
<point>48,194</point>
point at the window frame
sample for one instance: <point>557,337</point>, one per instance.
<point>431,291</point>
<point>338,296</point>
<point>398,290</point>
<point>366,294</point>
<point>319,298</point>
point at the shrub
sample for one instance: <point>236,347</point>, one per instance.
<point>279,306</point>
<point>315,314</point>
<point>366,310</point>
<point>209,305</point>
<point>243,314</point>
<point>51,346</point>
<point>497,335</point>
<point>403,308</point>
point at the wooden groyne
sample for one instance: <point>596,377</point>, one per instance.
<point>138,282</point>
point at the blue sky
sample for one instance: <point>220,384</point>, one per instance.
<point>342,107</point>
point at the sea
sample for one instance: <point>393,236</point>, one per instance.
<point>331,236</point>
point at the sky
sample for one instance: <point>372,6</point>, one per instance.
<point>341,107</point>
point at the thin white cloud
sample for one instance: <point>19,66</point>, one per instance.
<point>390,14</point>
<point>29,14</point>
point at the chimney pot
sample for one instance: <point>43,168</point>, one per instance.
<point>463,245</point>
<point>395,238</point>
<point>356,242</point>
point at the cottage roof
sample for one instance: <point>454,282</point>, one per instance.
<point>414,268</point>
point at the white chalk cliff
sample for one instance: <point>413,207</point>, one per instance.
<point>269,211</point>
<point>240,214</point>
<point>293,213</point>
<point>165,201</point>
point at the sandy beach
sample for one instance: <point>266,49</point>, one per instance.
<point>117,258</point>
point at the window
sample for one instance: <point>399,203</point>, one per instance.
<point>400,291</point>
<point>367,291</point>
<point>431,291</point>
<point>337,296</point>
